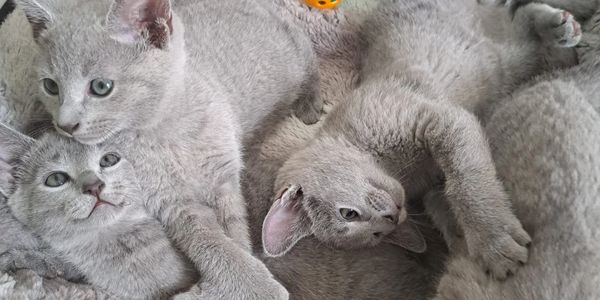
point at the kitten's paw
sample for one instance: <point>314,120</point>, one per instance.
<point>502,254</point>
<point>207,291</point>
<point>37,261</point>
<point>558,28</point>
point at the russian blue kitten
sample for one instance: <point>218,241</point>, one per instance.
<point>409,127</point>
<point>84,201</point>
<point>177,89</point>
<point>545,140</point>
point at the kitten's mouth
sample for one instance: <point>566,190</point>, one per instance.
<point>101,202</point>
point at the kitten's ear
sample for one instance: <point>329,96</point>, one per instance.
<point>12,145</point>
<point>38,15</point>
<point>408,236</point>
<point>286,223</point>
<point>130,21</point>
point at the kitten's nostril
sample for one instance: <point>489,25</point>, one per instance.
<point>377,234</point>
<point>69,128</point>
<point>94,189</point>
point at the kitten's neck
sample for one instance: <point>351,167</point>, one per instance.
<point>174,99</point>
<point>68,237</point>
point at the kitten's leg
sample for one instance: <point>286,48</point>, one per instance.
<point>233,215</point>
<point>444,220</point>
<point>548,25</point>
<point>309,105</point>
<point>227,270</point>
<point>43,261</point>
<point>455,140</point>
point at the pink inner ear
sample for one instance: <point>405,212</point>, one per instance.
<point>285,224</point>
<point>130,20</point>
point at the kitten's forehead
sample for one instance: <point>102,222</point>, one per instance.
<point>55,149</point>
<point>76,41</point>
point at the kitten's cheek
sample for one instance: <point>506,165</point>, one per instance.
<point>80,212</point>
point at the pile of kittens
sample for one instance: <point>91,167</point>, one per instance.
<point>135,185</point>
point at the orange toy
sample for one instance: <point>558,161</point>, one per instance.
<point>323,4</point>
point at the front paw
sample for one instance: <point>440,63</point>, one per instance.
<point>268,289</point>
<point>501,254</point>
<point>37,261</point>
<point>558,27</point>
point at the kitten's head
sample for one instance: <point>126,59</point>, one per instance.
<point>60,184</point>
<point>343,198</point>
<point>104,69</point>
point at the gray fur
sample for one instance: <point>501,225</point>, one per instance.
<point>182,102</point>
<point>408,126</point>
<point>545,141</point>
<point>116,245</point>
<point>312,270</point>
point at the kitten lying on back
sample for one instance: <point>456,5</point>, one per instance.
<point>410,126</point>
<point>84,201</point>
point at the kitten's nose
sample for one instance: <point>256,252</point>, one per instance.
<point>94,188</point>
<point>68,128</point>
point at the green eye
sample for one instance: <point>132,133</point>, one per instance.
<point>57,179</point>
<point>349,214</point>
<point>101,87</point>
<point>50,86</point>
<point>109,160</point>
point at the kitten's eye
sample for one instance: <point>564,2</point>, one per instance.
<point>101,87</point>
<point>349,214</point>
<point>109,160</point>
<point>57,179</point>
<point>50,86</point>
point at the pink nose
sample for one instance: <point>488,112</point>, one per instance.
<point>69,128</point>
<point>384,205</point>
<point>94,188</point>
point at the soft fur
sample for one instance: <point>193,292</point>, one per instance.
<point>545,141</point>
<point>311,270</point>
<point>174,85</point>
<point>407,127</point>
<point>95,220</point>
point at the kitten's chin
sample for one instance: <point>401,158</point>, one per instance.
<point>88,139</point>
<point>105,214</point>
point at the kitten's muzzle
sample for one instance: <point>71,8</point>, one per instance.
<point>67,129</point>
<point>94,188</point>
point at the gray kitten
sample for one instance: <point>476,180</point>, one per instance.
<point>84,201</point>
<point>410,126</point>
<point>177,89</point>
<point>545,140</point>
